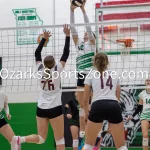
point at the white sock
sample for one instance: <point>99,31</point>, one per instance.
<point>22,139</point>
<point>82,134</point>
<point>88,147</point>
<point>122,148</point>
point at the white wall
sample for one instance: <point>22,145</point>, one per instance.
<point>44,10</point>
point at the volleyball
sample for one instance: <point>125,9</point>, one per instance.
<point>40,38</point>
<point>77,3</point>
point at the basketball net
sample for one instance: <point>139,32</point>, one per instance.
<point>125,52</point>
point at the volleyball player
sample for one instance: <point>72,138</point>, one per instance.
<point>105,106</point>
<point>5,128</point>
<point>85,51</point>
<point>144,109</point>
<point>73,120</point>
<point>49,109</point>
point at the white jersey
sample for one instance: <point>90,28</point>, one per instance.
<point>103,88</point>
<point>51,94</point>
<point>85,55</point>
<point>146,99</point>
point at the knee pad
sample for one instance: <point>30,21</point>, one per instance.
<point>41,140</point>
<point>60,142</point>
<point>122,148</point>
<point>81,112</point>
<point>75,143</point>
<point>145,142</point>
<point>88,147</point>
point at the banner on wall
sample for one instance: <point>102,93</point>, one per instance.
<point>25,18</point>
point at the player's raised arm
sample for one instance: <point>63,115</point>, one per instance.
<point>88,28</point>
<point>46,35</point>
<point>73,29</point>
<point>139,107</point>
<point>66,51</point>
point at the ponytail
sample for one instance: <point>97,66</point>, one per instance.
<point>48,74</point>
<point>101,62</point>
<point>49,63</point>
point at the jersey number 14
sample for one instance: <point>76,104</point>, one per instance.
<point>108,82</point>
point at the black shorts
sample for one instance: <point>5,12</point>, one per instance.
<point>80,80</point>
<point>3,122</point>
<point>105,110</point>
<point>49,113</point>
<point>74,122</point>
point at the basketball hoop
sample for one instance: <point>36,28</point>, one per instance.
<point>125,52</point>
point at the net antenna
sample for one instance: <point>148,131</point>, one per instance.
<point>125,52</point>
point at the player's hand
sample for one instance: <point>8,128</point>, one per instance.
<point>66,30</point>
<point>46,34</point>
<point>8,116</point>
<point>69,116</point>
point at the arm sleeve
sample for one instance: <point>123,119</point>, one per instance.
<point>66,51</point>
<point>39,49</point>
<point>72,21</point>
<point>138,110</point>
<point>88,28</point>
<point>139,107</point>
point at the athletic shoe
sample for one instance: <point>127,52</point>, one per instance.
<point>95,148</point>
<point>81,143</point>
<point>15,144</point>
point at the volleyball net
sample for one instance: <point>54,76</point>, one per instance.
<point>130,63</point>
